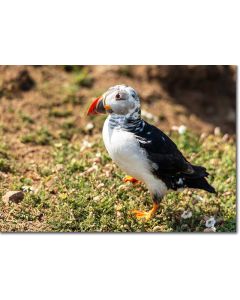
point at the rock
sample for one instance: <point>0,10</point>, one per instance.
<point>13,196</point>
<point>157,229</point>
<point>211,229</point>
<point>59,167</point>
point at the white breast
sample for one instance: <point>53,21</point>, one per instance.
<point>125,151</point>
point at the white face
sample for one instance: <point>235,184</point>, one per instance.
<point>121,99</point>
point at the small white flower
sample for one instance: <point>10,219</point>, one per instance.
<point>89,126</point>
<point>186,214</point>
<point>85,145</point>
<point>182,129</point>
<point>92,169</point>
<point>28,189</point>
<point>98,154</point>
<point>217,131</point>
<point>210,222</point>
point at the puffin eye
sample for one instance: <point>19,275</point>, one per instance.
<point>134,96</point>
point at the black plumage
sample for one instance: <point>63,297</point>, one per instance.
<point>169,164</point>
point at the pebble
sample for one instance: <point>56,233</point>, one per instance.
<point>13,196</point>
<point>59,167</point>
<point>157,229</point>
<point>211,229</point>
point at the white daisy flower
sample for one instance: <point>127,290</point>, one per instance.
<point>98,154</point>
<point>210,222</point>
<point>182,129</point>
<point>27,189</point>
<point>85,145</point>
<point>186,214</point>
<point>89,126</point>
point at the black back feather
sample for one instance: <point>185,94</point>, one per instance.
<point>169,164</point>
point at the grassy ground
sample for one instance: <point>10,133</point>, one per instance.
<point>71,184</point>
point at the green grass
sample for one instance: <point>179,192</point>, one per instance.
<point>39,137</point>
<point>84,78</point>
<point>80,189</point>
<point>5,160</point>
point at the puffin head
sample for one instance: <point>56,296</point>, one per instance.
<point>119,100</point>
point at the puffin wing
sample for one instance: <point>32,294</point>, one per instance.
<point>162,152</point>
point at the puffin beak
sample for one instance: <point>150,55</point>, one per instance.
<point>97,107</point>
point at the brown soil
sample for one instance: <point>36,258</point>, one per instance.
<point>199,97</point>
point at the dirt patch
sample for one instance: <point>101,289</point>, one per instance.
<point>40,103</point>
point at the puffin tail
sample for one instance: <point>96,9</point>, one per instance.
<point>197,180</point>
<point>200,183</point>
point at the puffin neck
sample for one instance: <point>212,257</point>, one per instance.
<point>130,122</point>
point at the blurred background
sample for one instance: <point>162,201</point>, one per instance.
<point>199,97</point>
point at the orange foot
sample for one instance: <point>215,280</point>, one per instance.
<point>146,215</point>
<point>130,179</point>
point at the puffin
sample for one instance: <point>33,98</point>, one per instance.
<point>142,150</point>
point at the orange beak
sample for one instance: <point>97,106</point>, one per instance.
<point>97,107</point>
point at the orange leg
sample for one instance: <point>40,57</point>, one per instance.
<point>146,215</point>
<point>130,179</point>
